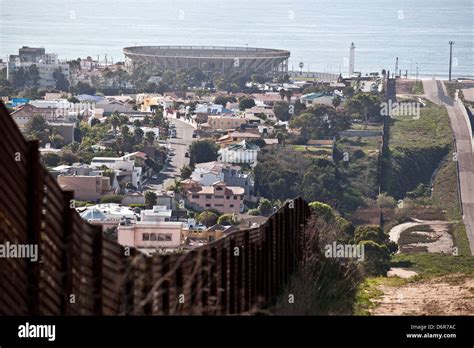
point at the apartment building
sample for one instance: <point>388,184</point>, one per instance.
<point>219,196</point>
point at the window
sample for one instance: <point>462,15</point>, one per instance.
<point>219,197</point>
<point>195,196</point>
<point>208,205</point>
<point>218,205</point>
<point>219,188</point>
<point>152,236</point>
<point>145,236</point>
<point>208,197</point>
<point>161,237</point>
<point>231,205</point>
<point>167,237</point>
<point>235,197</point>
<point>227,197</point>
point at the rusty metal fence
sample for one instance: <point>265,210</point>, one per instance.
<point>82,272</point>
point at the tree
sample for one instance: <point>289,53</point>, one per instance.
<point>203,151</point>
<point>62,82</point>
<point>207,218</point>
<point>150,138</point>
<point>186,172</point>
<point>257,78</point>
<point>33,75</point>
<point>282,110</point>
<point>150,198</point>
<point>322,210</point>
<point>265,207</point>
<point>289,94</point>
<point>320,121</point>
<point>73,100</point>
<point>137,123</point>
<point>226,220</point>
<point>364,106</point>
<point>246,103</point>
<point>336,101</point>
<point>138,135</point>
<point>38,128</point>
<point>282,93</point>
<point>56,140</point>
<point>114,121</point>
<point>224,99</point>
<point>51,159</point>
<point>377,257</point>
<point>83,88</point>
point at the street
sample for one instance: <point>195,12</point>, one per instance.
<point>179,147</point>
<point>436,92</point>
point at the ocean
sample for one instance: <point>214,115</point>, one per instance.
<point>317,32</point>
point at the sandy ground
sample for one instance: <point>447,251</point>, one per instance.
<point>449,295</point>
<point>401,273</point>
<point>441,240</point>
<point>395,232</point>
<point>468,94</point>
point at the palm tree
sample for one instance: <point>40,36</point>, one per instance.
<point>150,138</point>
<point>114,121</point>
<point>138,135</point>
<point>301,65</point>
<point>282,93</point>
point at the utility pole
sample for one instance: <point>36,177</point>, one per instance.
<point>451,43</point>
<point>396,67</point>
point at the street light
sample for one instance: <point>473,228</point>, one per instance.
<point>301,65</point>
<point>451,43</point>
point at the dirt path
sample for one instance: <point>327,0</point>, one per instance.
<point>448,295</point>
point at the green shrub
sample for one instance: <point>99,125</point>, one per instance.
<point>226,220</point>
<point>207,218</point>
<point>377,257</point>
<point>322,210</point>
<point>112,199</point>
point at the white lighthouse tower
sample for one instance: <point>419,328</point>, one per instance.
<point>351,59</point>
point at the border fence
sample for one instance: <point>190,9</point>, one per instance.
<point>82,272</point>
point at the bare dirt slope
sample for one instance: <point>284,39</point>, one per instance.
<point>447,295</point>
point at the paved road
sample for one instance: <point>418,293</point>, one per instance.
<point>436,92</point>
<point>179,147</point>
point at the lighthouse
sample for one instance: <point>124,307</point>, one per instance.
<point>351,59</point>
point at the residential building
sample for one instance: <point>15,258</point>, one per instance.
<point>125,170</point>
<point>150,235</point>
<point>205,174</point>
<point>224,122</point>
<point>85,187</point>
<point>46,63</point>
<point>243,152</point>
<point>219,196</point>
<point>111,106</point>
<point>235,137</point>
<point>158,213</point>
<point>207,235</point>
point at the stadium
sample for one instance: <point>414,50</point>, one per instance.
<point>248,60</point>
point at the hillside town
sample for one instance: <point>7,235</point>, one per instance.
<point>169,160</point>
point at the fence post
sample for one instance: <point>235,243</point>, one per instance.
<point>35,182</point>
<point>247,270</point>
<point>66,253</point>
<point>232,276</point>
<point>98,254</point>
